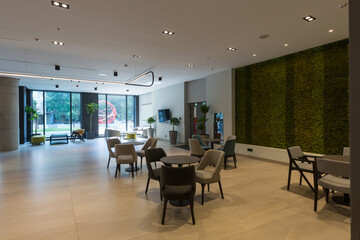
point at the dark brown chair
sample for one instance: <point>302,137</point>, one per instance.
<point>302,163</point>
<point>152,156</point>
<point>229,150</point>
<point>178,184</point>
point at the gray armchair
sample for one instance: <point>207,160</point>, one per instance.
<point>150,144</point>
<point>337,177</point>
<point>228,138</point>
<point>202,144</point>
<point>110,144</point>
<point>125,154</point>
<point>209,169</point>
<point>195,148</point>
<point>229,150</point>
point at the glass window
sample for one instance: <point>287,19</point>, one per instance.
<point>130,112</point>
<point>57,113</point>
<point>102,114</point>
<point>76,111</point>
<point>37,102</point>
<point>116,117</point>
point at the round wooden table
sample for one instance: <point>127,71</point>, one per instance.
<point>340,158</point>
<point>212,140</point>
<point>179,159</point>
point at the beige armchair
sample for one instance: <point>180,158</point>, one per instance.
<point>195,148</point>
<point>150,144</point>
<point>110,144</point>
<point>209,169</point>
<point>125,154</point>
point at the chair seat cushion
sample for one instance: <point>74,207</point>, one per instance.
<point>156,175</point>
<point>177,192</point>
<point>335,183</point>
<point>140,153</point>
<point>125,159</point>
<point>206,176</point>
<point>305,166</point>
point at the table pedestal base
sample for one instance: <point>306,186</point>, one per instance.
<point>129,169</point>
<point>343,200</point>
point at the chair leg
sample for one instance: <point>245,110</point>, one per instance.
<point>222,195</point>
<point>225,163</point>
<point>141,162</point>
<point>289,177</point>
<point>160,191</point>
<point>202,193</point>
<point>192,210</point>
<point>132,169</point>
<point>108,163</point>
<point>315,191</point>
<point>164,211</point>
<point>326,191</point>
<point>300,179</point>
<point>155,164</point>
<point>209,187</point>
<point>234,157</point>
<point>117,168</point>
<point>147,185</point>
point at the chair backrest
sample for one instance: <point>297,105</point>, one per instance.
<point>337,168</point>
<point>125,149</point>
<point>153,155</point>
<point>109,133</point>
<point>195,147</point>
<point>295,153</point>
<point>149,143</point>
<point>212,157</point>
<point>153,145</point>
<point>177,176</point>
<point>199,139</point>
<point>346,151</point>
<point>111,143</point>
<point>231,137</point>
<point>229,147</point>
<point>80,131</point>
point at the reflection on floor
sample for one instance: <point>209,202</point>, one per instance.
<point>66,192</point>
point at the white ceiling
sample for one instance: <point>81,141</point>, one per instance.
<point>102,36</point>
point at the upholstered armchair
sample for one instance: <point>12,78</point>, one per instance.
<point>125,154</point>
<point>150,144</point>
<point>111,144</point>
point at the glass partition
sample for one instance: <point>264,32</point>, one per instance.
<point>130,113</point>
<point>37,103</point>
<point>75,111</point>
<point>116,112</point>
<point>102,113</point>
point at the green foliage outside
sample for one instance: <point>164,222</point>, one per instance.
<point>298,99</point>
<point>174,122</point>
<point>91,108</point>
<point>33,115</point>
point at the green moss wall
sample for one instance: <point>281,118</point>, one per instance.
<point>298,99</point>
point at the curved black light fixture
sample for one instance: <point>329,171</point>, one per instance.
<point>141,76</point>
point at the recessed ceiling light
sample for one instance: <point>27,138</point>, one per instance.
<point>191,65</point>
<point>170,33</point>
<point>309,18</point>
<point>231,49</point>
<point>254,55</point>
<point>59,4</point>
<point>331,30</point>
<point>103,74</point>
<point>136,56</point>
<point>286,44</point>
<point>58,43</point>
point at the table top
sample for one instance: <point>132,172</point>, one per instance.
<point>340,158</point>
<point>212,139</point>
<point>179,159</point>
<point>133,143</point>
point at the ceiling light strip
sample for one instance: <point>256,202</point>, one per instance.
<point>141,76</point>
<point>58,78</point>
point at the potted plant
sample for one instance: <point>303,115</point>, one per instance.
<point>91,108</point>
<point>204,109</point>
<point>33,116</point>
<point>173,134</point>
<point>150,130</point>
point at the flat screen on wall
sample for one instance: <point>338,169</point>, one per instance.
<point>164,115</point>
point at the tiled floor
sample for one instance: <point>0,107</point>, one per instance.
<point>66,192</point>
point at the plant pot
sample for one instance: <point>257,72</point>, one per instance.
<point>173,137</point>
<point>90,135</point>
<point>150,132</point>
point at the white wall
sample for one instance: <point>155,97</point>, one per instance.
<point>172,98</point>
<point>145,108</point>
<point>220,97</point>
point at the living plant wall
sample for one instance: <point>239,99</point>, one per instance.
<point>298,99</point>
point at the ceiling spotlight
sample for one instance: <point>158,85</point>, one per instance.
<point>58,43</point>
<point>136,56</point>
<point>191,65</point>
<point>309,18</point>
<point>59,4</point>
<point>331,30</point>
<point>231,49</point>
<point>115,73</point>
<point>264,36</point>
<point>254,55</point>
<point>57,67</point>
<point>170,33</point>
<point>102,74</point>
<point>127,90</point>
<point>95,88</point>
<point>286,44</point>
<point>56,86</point>
<point>125,65</point>
<point>160,78</point>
